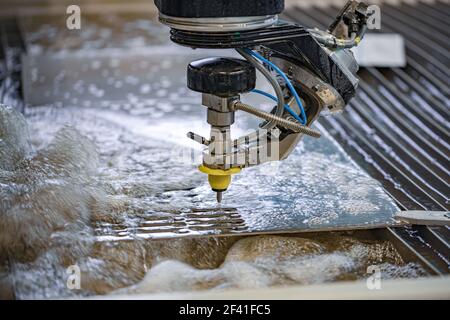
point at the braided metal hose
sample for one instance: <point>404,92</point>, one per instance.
<point>294,126</point>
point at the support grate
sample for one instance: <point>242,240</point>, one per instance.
<point>397,127</point>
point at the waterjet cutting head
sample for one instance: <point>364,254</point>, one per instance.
<point>310,71</point>
<point>220,80</point>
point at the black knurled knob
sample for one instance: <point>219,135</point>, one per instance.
<point>221,76</point>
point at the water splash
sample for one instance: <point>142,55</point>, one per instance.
<point>264,261</point>
<point>81,169</point>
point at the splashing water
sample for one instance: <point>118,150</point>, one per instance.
<point>63,181</point>
<point>263,261</point>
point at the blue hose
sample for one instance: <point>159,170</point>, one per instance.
<point>303,120</point>
<point>286,106</point>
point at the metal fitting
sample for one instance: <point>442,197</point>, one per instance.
<point>220,104</point>
<point>220,119</point>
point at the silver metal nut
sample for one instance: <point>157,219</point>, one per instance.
<point>220,119</point>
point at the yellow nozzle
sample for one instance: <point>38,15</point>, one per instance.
<point>219,179</point>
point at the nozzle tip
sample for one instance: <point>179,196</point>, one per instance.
<point>219,196</point>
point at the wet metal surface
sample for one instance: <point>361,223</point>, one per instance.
<point>146,111</point>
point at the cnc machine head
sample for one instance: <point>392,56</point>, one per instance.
<point>310,71</point>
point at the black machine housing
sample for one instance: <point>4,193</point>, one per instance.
<point>284,40</point>
<point>219,8</point>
